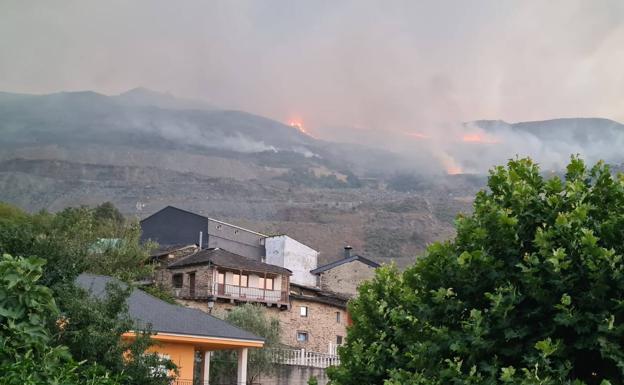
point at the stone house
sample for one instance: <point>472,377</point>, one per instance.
<point>223,276</point>
<point>315,320</point>
<point>344,275</point>
<point>278,271</point>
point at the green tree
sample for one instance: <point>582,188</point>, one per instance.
<point>252,318</point>
<point>108,212</point>
<point>528,292</point>
<point>29,354</point>
<point>70,242</point>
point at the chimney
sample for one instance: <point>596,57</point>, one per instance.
<point>201,236</point>
<point>347,251</point>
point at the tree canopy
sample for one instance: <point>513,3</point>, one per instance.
<point>60,322</point>
<point>252,318</point>
<point>528,292</point>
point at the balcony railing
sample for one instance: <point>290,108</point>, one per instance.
<point>232,292</point>
<point>301,357</point>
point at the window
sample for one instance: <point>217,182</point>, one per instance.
<point>221,278</point>
<point>235,279</point>
<point>302,336</point>
<point>337,317</point>
<point>244,280</point>
<point>177,280</point>
<point>265,283</point>
<point>338,340</point>
<point>303,311</point>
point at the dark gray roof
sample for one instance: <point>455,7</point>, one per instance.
<point>168,249</point>
<point>339,262</point>
<point>163,317</point>
<point>224,258</point>
<point>169,207</point>
<point>318,295</point>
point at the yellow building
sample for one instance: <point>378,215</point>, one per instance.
<point>181,332</point>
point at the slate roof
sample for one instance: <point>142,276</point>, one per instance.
<point>169,207</point>
<point>168,249</point>
<point>339,262</point>
<point>224,258</point>
<point>319,295</point>
<point>163,317</point>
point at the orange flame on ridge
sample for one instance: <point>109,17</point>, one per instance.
<point>479,138</point>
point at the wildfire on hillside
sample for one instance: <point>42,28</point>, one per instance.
<point>298,124</point>
<point>417,135</point>
<point>479,138</point>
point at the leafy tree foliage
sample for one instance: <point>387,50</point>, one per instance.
<point>78,240</point>
<point>73,241</point>
<point>529,292</point>
<point>252,318</point>
<point>108,212</point>
<point>28,355</point>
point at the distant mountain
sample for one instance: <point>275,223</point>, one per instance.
<point>99,128</point>
<point>580,130</point>
<point>549,142</point>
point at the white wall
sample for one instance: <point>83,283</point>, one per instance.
<point>286,252</point>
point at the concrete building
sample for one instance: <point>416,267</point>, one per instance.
<point>282,250</point>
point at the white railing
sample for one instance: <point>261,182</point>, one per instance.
<point>301,357</point>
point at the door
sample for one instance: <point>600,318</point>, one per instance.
<point>192,285</point>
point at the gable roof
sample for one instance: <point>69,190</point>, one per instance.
<point>224,258</point>
<point>174,208</point>
<point>339,262</point>
<point>160,316</point>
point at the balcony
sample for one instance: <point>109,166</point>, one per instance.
<point>239,293</point>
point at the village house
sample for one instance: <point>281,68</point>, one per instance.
<point>309,301</point>
<point>344,275</point>
<point>182,334</point>
<point>222,276</point>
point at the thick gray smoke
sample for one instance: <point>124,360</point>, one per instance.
<point>399,75</point>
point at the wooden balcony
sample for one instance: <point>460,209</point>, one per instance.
<point>233,292</point>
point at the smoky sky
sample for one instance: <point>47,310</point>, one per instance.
<point>391,73</point>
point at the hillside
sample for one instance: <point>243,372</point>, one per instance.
<point>144,150</point>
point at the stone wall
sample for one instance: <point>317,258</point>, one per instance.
<point>321,324</point>
<point>203,280</point>
<point>347,277</point>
